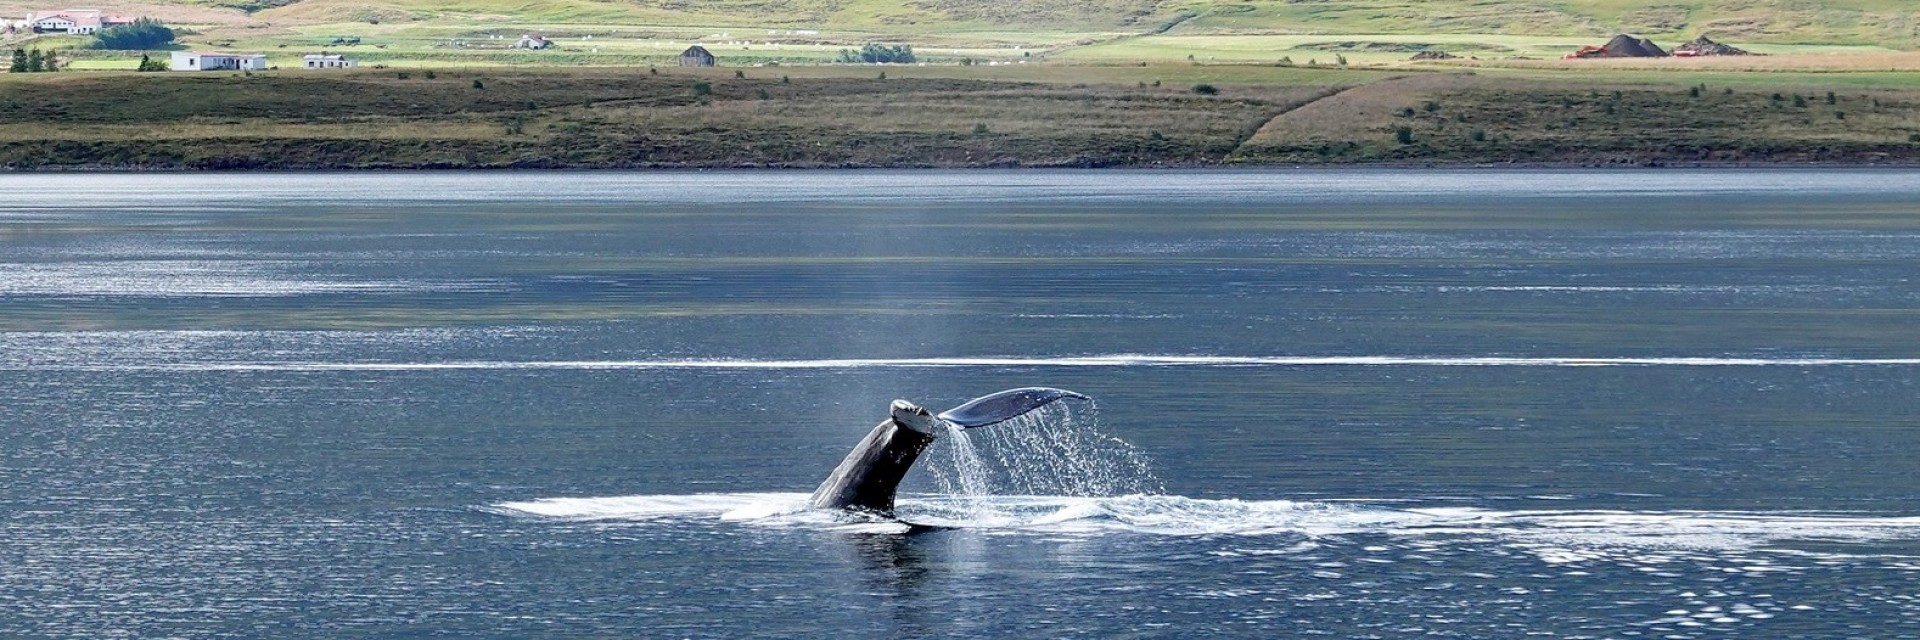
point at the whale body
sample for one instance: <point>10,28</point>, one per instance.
<point>870,475</point>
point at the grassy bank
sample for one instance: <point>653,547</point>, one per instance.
<point>940,117</point>
<point>1482,119</point>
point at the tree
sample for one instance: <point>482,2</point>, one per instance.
<point>147,63</point>
<point>879,53</point>
<point>139,35</point>
<point>19,61</point>
<point>34,61</point>
<point>48,62</point>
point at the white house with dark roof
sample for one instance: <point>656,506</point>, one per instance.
<point>218,61</point>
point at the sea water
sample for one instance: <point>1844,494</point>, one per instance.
<point>1329,403</point>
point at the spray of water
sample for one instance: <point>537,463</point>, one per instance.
<point>1055,450</point>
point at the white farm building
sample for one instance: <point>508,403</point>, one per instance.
<point>329,61</point>
<point>213,61</point>
<point>77,22</point>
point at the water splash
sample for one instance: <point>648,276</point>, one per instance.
<point>1055,450</point>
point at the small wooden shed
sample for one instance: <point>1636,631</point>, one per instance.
<point>696,56</point>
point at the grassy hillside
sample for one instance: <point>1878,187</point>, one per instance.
<point>836,116</point>
<point>1887,23</point>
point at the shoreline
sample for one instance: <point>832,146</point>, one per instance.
<point>1180,168</point>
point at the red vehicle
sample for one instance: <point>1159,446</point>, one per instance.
<point>1589,51</point>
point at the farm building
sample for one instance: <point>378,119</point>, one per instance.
<point>77,22</point>
<point>532,42</point>
<point>215,61</point>
<point>329,61</point>
<point>697,56</point>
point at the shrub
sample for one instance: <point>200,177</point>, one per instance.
<point>1430,106</point>
<point>1478,135</point>
<point>147,63</point>
<point>477,84</point>
<point>980,129</point>
<point>702,88</point>
<point>1403,134</point>
<point>1832,99</point>
<point>1913,137</point>
<point>430,75</point>
<point>142,34</point>
<point>762,94</point>
<point>1798,101</point>
<point>739,75</point>
<point>1206,89</point>
<point>403,75</point>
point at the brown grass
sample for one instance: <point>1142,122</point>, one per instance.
<point>1806,62</point>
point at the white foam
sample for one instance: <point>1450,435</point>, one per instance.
<point>1556,536</point>
<point>1113,360</point>
<point>725,506</point>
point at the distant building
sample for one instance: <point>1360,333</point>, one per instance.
<point>532,42</point>
<point>215,61</point>
<point>696,56</point>
<point>79,22</point>
<point>329,61</point>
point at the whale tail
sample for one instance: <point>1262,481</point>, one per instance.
<point>1003,406</point>
<point>870,475</point>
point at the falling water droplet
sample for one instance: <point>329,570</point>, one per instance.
<point>1056,450</point>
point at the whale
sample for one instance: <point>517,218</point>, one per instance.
<point>869,477</point>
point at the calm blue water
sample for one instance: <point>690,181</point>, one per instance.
<point>565,405</point>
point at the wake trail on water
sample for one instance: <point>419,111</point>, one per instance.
<point>1053,472</point>
<point>1110,360</point>
<point>1168,515</point>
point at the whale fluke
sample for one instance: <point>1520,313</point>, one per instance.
<point>1003,406</point>
<point>870,475</point>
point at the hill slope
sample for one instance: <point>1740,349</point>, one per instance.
<point>1885,22</point>
<point>1890,23</point>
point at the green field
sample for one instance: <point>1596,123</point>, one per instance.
<point>754,32</point>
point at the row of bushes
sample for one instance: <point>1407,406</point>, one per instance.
<point>874,52</point>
